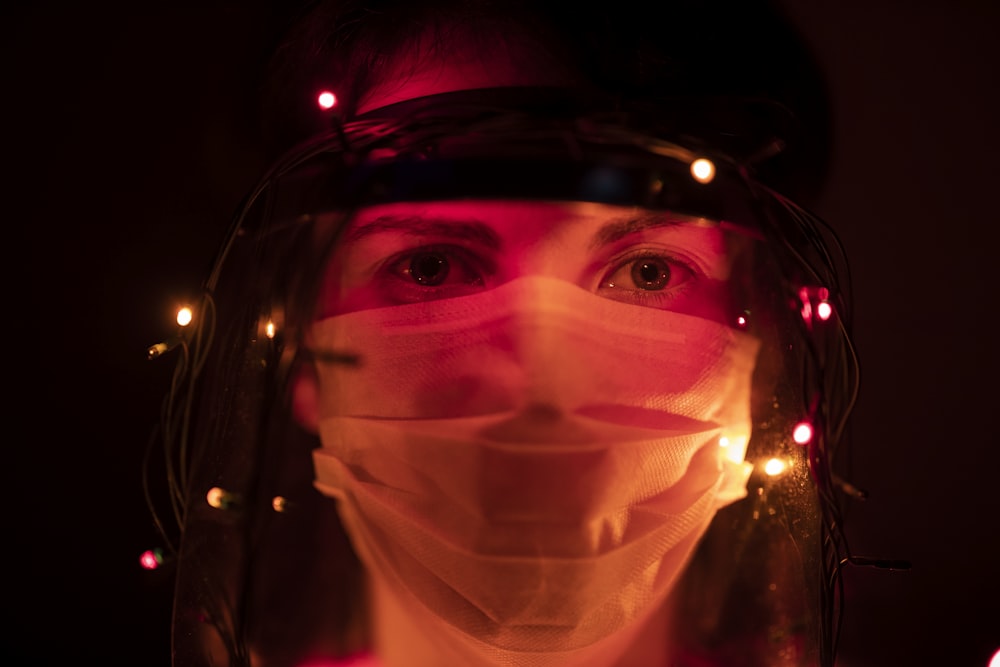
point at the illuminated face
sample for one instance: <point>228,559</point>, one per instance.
<point>404,253</point>
<point>532,462</point>
<point>409,252</point>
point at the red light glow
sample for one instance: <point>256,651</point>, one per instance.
<point>802,433</point>
<point>995,660</point>
<point>150,559</point>
<point>326,100</point>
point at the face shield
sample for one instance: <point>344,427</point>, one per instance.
<point>534,377</point>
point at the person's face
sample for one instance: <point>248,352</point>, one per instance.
<point>405,253</point>
<point>411,252</point>
<point>408,252</point>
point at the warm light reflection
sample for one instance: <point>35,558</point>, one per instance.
<point>184,316</point>
<point>703,170</point>
<point>774,467</point>
<point>734,446</point>
<point>326,100</point>
<point>802,433</point>
<point>279,503</point>
<point>824,310</point>
<point>269,329</point>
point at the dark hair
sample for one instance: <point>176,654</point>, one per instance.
<point>745,56</point>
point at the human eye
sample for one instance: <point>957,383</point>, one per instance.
<point>430,272</point>
<point>650,277</point>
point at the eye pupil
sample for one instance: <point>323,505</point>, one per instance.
<point>428,269</point>
<point>650,275</point>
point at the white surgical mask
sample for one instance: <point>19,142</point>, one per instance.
<point>528,469</point>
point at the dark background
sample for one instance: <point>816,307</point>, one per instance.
<point>125,158</point>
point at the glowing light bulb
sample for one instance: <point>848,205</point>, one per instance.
<point>151,559</point>
<point>326,100</point>
<point>703,170</point>
<point>774,467</point>
<point>220,498</point>
<point>995,660</point>
<point>269,329</point>
<point>824,310</point>
<point>279,503</point>
<point>184,316</point>
<point>741,322</point>
<point>802,433</point>
<point>723,441</point>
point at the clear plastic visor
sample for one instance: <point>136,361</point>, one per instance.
<point>536,328</point>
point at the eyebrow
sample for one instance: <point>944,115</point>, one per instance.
<point>417,225</point>
<point>619,229</point>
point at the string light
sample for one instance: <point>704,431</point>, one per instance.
<point>220,498</point>
<point>184,316</point>
<point>820,296</point>
<point>326,100</point>
<point>802,433</point>
<point>151,559</point>
<point>743,319</point>
<point>703,170</point>
<point>775,467</point>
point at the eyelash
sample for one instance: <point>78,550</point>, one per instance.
<point>404,288</point>
<point>668,293</point>
<point>397,267</point>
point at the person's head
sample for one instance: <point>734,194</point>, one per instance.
<point>526,318</point>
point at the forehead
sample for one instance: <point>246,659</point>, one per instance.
<point>503,223</point>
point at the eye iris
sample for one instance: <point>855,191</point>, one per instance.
<point>428,269</point>
<point>650,274</point>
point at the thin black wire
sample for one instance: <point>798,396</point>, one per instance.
<point>824,272</point>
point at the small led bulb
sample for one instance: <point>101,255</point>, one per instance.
<point>774,467</point>
<point>703,170</point>
<point>824,310</point>
<point>151,559</point>
<point>326,100</point>
<point>220,498</point>
<point>184,316</point>
<point>269,329</point>
<point>802,433</point>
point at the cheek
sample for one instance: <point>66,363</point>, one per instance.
<point>343,287</point>
<point>305,399</point>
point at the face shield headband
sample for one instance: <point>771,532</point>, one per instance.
<point>481,146</point>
